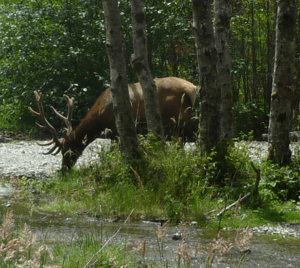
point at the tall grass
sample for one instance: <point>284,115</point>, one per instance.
<point>19,249</point>
<point>167,181</point>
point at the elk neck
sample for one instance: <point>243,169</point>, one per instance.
<point>85,133</point>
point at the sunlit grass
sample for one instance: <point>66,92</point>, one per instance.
<point>169,182</point>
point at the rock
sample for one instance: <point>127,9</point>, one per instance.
<point>281,229</point>
<point>152,222</point>
<point>177,236</point>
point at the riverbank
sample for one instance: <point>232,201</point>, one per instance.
<point>21,158</point>
<point>177,184</point>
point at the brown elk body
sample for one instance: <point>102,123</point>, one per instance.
<point>176,98</point>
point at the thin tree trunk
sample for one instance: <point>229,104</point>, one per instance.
<point>254,73</point>
<point>119,83</point>
<point>139,62</point>
<point>244,74</point>
<point>222,28</point>
<point>283,86</point>
<point>269,58</point>
<point>207,60</point>
<point>255,127</point>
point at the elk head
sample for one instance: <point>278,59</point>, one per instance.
<point>64,145</point>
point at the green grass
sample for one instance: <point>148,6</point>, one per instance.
<point>175,184</point>
<point>167,182</point>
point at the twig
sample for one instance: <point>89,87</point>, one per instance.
<point>257,171</point>
<point>237,205</point>
<point>108,240</point>
<point>137,178</point>
<point>220,219</point>
<point>233,204</point>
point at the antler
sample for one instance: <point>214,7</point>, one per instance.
<point>66,120</point>
<point>48,126</point>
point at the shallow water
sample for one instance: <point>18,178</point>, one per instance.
<point>51,228</point>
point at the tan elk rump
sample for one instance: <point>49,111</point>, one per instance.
<point>176,98</point>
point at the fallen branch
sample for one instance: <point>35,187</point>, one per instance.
<point>240,200</point>
<point>89,262</point>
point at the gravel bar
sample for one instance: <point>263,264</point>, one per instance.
<point>26,158</point>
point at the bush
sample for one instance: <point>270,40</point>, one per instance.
<point>282,183</point>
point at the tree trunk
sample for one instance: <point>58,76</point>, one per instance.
<point>253,44</point>
<point>119,84</point>
<point>222,29</point>
<point>207,60</point>
<point>270,55</point>
<point>282,90</point>
<point>139,62</point>
<point>244,71</point>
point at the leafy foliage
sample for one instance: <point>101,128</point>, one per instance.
<point>48,46</point>
<point>282,183</point>
<point>248,117</point>
<point>57,47</point>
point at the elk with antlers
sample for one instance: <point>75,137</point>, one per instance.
<point>176,98</point>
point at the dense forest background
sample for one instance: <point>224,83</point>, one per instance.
<point>58,47</point>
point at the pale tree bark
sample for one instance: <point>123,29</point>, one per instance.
<point>139,62</point>
<point>119,84</point>
<point>207,60</point>
<point>282,90</point>
<point>222,10</point>
<point>270,58</point>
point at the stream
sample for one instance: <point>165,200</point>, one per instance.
<point>26,158</point>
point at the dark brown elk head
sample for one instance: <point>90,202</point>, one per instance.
<point>176,97</point>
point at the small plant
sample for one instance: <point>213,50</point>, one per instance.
<point>243,242</point>
<point>18,250</point>
<point>282,183</point>
<point>218,248</point>
<point>140,247</point>
<point>173,208</point>
<point>184,253</point>
<point>160,234</point>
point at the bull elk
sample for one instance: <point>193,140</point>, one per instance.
<point>176,97</point>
